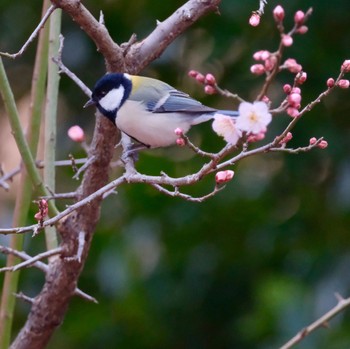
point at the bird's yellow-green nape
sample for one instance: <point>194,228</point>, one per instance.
<point>135,80</point>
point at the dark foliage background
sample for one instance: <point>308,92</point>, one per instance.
<point>246,269</point>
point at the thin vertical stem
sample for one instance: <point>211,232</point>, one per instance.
<point>51,116</point>
<point>23,198</point>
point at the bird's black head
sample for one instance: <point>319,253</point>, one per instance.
<point>109,94</point>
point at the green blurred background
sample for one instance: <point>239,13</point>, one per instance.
<point>245,269</point>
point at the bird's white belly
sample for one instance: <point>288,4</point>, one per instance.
<point>152,129</point>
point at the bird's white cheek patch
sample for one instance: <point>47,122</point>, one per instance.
<point>112,99</point>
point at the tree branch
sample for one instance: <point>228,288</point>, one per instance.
<point>321,322</point>
<point>142,53</point>
<point>96,30</point>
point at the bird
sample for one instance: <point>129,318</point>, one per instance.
<point>149,110</point>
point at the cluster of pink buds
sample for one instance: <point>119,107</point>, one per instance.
<point>180,140</point>
<point>43,211</point>
<point>322,144</point>
<point>208,80</point>
<point>292,65</point>
<point>268,60</point>
<point>293,99</point>
<point>299,20</point>
<point>342,83</point>
<point>224,176</point>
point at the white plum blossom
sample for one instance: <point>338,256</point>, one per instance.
<point>225,127</point>
<point>253,117</point>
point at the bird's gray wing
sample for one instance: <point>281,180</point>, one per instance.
<point>177,101</point>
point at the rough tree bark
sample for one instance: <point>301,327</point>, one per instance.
<point>49,307</point>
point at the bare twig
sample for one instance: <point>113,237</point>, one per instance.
<point>43,267</point>
<point>321,322</point>
<point>142,53</point>
<point>35,33</point>
<point>196,149</point>
<point>262,4</point>
<point>55,196</point>
<point>23,297</point>
<point>40,164</point>
<point>84,167</point>
<point>228,94</point>
<point>80,249</point>
<point>69,73</point>
<point>177,193</point>
<point>31,261</point>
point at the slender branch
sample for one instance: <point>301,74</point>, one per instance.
<point>142,53</point>
<point>31,261</point>
<point>97,31</point>
<point>65,70</point>
<point>39,164</point>
<point>177,193</point>
<point>262,4</point>
<point>84,167</point>
<point>321,322</point>
<point>71,195</point>
<point>43,267</point>
<point>35,33</point>
<point>23,297</point>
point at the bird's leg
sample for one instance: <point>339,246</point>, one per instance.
<point>133,151</point>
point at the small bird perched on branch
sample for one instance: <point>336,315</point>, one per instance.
<point>149,110</point>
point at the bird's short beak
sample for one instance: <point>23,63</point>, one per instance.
<point>89,103</point>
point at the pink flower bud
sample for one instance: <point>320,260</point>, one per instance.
<point>209,90</point>
<point>43,210</point>
<point>323,144</point>
<point>299,17</point>
<point>301,77</point>
<point>294,100</point>
<point>76,134</point>
<point>256,137</point>
<point>180,142</point>
<point>270,63</point>
<point>261,55</point>
<point>296,90</point>
<point>200,78</point>
<point>254,20</point>
<point>179,132</point>
<point>286,138</point>
<point>330,82</point>
<point>287,40</point>
<point>257,69</point>
<point>293,112</point>
<point>210,79</point>
<point>192,73</point>
<point>287,88</point>
<point>343,83</point>
<point>265,99</point>
<point>346,66</point>
<point>278,13</point>
<point>292,65</point>
<point>224,176</point>
<point>312,140</point>
<point>302,30</point>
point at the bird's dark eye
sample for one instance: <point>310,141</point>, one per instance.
<point>103,93</point>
